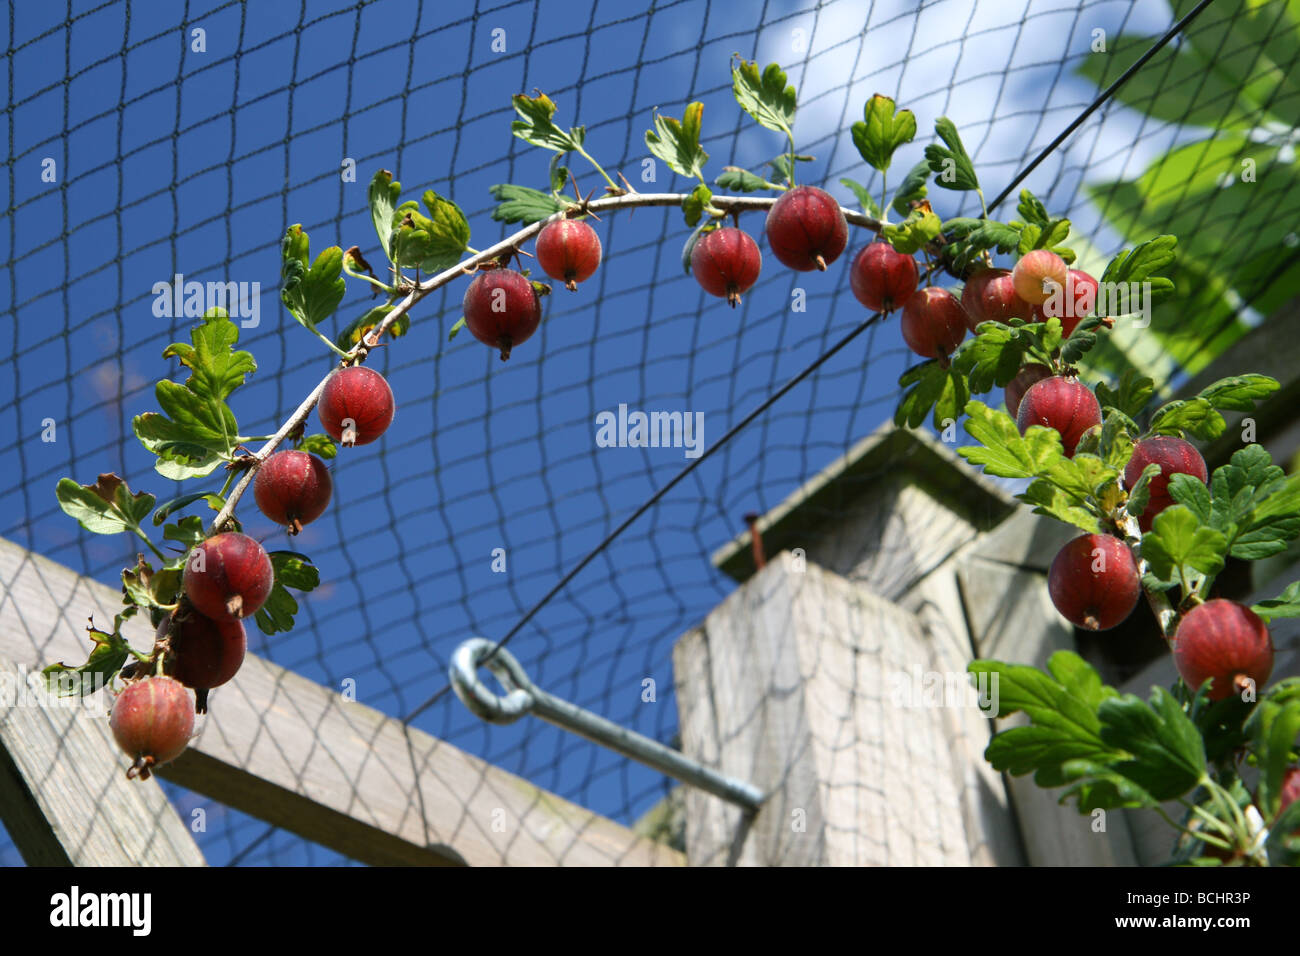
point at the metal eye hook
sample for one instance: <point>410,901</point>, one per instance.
<point>523,696</point>
<point>477,696</point>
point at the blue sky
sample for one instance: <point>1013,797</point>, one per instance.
<point>175,161</point>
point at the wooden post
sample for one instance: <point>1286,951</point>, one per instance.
<point>286,750</point>
<point>64,795</point>
<point>793,683</point>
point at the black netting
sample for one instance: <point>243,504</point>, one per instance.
<point>173,161</point>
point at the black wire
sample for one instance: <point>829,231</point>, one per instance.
<point>1101,99</point>
<point>775,396</point>
<point>653,499</point>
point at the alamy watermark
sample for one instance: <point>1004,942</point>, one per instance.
<point>193,299</point>
<point>916,688</point>
<point>637,429</point>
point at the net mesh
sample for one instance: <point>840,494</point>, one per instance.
<point>171,160</point>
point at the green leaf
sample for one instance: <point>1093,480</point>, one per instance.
<point>1062,708</point>
<point>882,130</point>
<point>1193,493</point>
<point>768,98</point>
<point>920,227</point>
<point>434,242</point>
<point>944,390</point>
<point>1283,843</point>
<point>311,294</point>
<point>351,335</point>
<point>535,125</point>
<point>106,507</point>
<point>742,180</point>
<point>694,204</point>
<point>321,445</point>
<point>1177,541</point>
<point>993,357</point>
<point>1240,392</point>
<point>176,504</point>
<point>1167,754</point>
<point>187,532</point>
<point>455,329</point>
<point>1195,417</point>
<point>677,142</point>
<point>1050,500</point>
<point>1141,263</point>
<point>865,200</point>
<point>383,195</point>
<point>1273,520</point>
<point>1031,209</point>
<point>1115,443</point>
<point>1286,604</point>
<point>1003,451</point>
<point>912,189</point>
<point>1273,729</point>
<point>216,368</point>
<point>1139,496</point>
<point>521,204</point>
<point>106,658</point>
<point>952,167</point>
<point>292,570</point>
<point>783,168</point>
<point>1135,390</point>
<point>558,174</point>
<point>148,588</point>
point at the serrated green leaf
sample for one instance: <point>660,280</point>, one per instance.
<point>694,203</point>
<point>1239,392</point>
<point>106,507</point>
<point>920,227</point>
<point>106,658</point>
<point>1050,500</point>
<point>952,167</point>
<point>1062,708</point>
<point>310,293</point>
<point>1177,541</point>
<point>521,204</point>
<point>535,124</point>
<point>865,200</point>
<point>882,130</point>
<point>1142,262</point>
<point>167,509</point>
<point>1139,496</point>
<point>768,97</point>
<point>742,180</point>
<point>321,445</point>
<point>187,532</point>
<point>1273,728</point>
<point>1167,753</point>
<point>1002,450</point>
<point>1194,416</point>
<point>928,382</point>
<point>992,358</point>
<point>677,142</point>
<point>383,195</point>
<point>1286,604</point>
<point>216,368</point>
<point>292,570</point>
<point>912,189</point>
<point>1135,390</point>
<point>350,336</point>
<point>1031,209</point>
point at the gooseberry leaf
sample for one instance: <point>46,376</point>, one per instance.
<point>350,336</point>
<point>912,189</point>
<point>865,199</point>
<point>1286,604</point>
<point>742,180</point>
<point>1002,450</point>
<point>106,658</point>
<point>952,167</point>
<point>882,130</point>
<point>106,507</point>
<point>292,570</point>
<point>535,124</point>
<point>310,293</point>
<point>383,195</point>
<point>1177,541</point>
<point>677,142</point>
<point>767,97</point>
<point>521,204</point>
<point>1134,391</point>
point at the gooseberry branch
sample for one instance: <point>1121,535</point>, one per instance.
<point>414,293</point>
